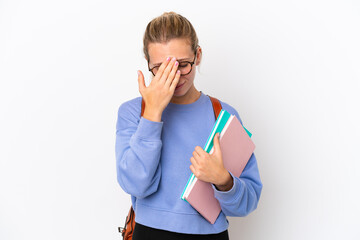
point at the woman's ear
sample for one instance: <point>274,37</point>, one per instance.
<point>198,55</point>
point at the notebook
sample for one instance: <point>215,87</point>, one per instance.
<point>236,148</point>
<point>218,127</point>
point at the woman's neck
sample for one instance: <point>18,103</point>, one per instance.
<point>191,96</point>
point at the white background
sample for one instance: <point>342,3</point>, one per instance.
<point>290,68</point>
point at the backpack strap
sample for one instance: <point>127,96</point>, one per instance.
<point>216,106</point>
<point>215,103</point>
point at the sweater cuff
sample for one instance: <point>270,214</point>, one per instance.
<point>148,130</point>
<point>228,196</point>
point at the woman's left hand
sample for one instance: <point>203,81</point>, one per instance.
<point>210,168</point>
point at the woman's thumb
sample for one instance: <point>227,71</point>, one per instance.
<point>216,143</point>
<point>141,81</point>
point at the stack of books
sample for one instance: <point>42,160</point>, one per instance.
<point>236,149</point>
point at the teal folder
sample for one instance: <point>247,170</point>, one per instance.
<point>217,128</point>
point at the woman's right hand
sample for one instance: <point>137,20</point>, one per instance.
<point>161,89</point>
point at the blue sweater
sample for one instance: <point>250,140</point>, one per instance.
<point>153,160</point>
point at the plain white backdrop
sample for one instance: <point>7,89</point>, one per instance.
<point>290,68</point>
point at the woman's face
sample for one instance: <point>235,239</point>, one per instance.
<point>181,50</point>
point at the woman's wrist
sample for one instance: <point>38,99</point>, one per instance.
<point>227,185</point>
<point>154,116</point>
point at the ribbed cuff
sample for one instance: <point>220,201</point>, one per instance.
<point>149,130</point>
<point>228,196</point>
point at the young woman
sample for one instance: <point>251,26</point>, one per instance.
<point>157,152</point>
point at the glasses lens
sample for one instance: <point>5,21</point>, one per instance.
<point>184,68</point>
<point>154,71</point>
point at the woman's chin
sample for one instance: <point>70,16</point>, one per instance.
<point>179,92</point>
<point>177,95</point>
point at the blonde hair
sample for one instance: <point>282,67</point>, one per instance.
<point>168,26</point>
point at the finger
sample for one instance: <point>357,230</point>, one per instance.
<point>172,74</point>
<point>216,143</point>
<point>195,158</point>
<point>195,154</point>
<point>216,139</point>
<point>193,161</point>
<point>141,81</point>
<point>176,80</point>
<point>193,170</point>
<point>162,68</point>
<point>199,151</point>
<point>167,70</point>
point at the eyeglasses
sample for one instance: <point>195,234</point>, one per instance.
<point>185,67</point>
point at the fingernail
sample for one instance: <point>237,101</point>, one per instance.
<point>177,63</point>
<point>178,72</point>
<point>168,59</point>
<point>173,59</point>
<point>138,73</point>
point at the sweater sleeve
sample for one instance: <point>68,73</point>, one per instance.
<point>244,196</point>
<point>137,149</point>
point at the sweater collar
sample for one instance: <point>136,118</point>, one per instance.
<point>198,102</point>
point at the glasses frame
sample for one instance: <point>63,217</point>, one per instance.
<point>191,63</point>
